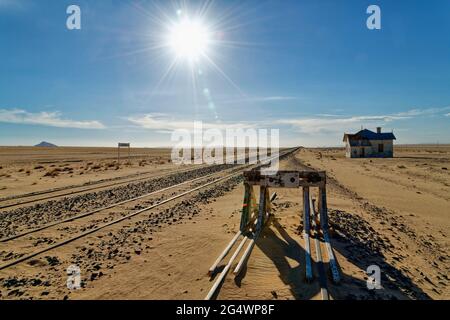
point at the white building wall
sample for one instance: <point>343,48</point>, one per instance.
<point>371,151</point>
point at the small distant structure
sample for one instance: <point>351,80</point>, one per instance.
<point>369,144</point>
<point>45,144</point>
<point>123,145</point>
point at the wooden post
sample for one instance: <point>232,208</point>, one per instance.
<point>262,210</point>
<point>120,145</point>
<point>246,207</point>
<point>268,203</point>
<point>323,209</point>
<point>259,227</point>
<point>325,227</point>
<point>306,229</point>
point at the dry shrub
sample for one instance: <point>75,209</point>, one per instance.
<point>52,173</point>
<point>28,172</point>
<point>38,167</point>
<point>401,167</point>
<point>110,165</point>
<point>96,167</point>
<point>21,170</point>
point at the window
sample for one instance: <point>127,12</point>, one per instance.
<point>381,147</point>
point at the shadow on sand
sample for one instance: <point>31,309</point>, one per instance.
<point>395,284</point>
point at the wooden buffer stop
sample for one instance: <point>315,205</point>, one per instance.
<point>255,216</point>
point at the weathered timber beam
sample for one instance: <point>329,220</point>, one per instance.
<point>324,224</point>
<point>225,271</point>
<point>319,260</point>
<point>259,226</point>
<point>306,232</point>
<point>286,179</point>
<point>224,253</point>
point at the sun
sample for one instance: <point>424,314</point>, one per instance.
<point>189,39</point>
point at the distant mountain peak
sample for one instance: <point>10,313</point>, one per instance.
<point>46,144</point>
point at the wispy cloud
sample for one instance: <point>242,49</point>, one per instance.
<point>275,98</point>
<point>50,119</point>
<point>243,99</point>
<point>164,123</point>
<point>421,112</point>
<point>11,4</point>
<point>328,123</point>
<point>321,123</point>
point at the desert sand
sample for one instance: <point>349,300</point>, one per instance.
<point>393,213</point>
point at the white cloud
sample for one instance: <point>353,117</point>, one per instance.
<point>328,123</point>
<point>161,122</point>
<point>50,119</point>
<point>421,112</point>
<point>275,98</point>
<point>256,99</point>
<point>319,124</point>
<point>342,124</point>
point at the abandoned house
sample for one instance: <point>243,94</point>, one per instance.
<point>369,144</point>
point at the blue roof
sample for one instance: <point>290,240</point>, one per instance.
<point>370,135</point>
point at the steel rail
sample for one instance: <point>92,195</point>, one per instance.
<point>94,188</point>
<point>320,266</point>
<point>90,188</point>
<point>83,234</point>
<point>102,209</point>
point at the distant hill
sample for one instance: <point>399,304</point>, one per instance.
<point>46,145</point>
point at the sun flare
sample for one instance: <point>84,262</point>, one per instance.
<point>189,39</point>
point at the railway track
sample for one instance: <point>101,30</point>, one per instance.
<point>322,277</point>
<point>30,255</point>
<point>73,190</point>
<point>90,213</point>
<point>315,228</point>
<point>318,262</point>
<point>210,180</point>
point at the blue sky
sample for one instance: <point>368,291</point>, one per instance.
<point>312,69</point>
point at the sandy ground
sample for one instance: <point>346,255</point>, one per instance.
<point>389,212</point>
<point>31,169</point>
